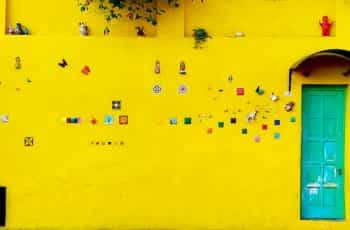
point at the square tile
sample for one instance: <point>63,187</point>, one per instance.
<point>188,120</point>
<point>123,120</point>
<point>293,119</point>
<point>240,91</point>
<point>277,122</point>
<point>264,127</point>
<point>117,105</point>
<point>210,130</point>
<point>233,120</point>
<point>28,141</point>
<point>221,124</point>
<point>244,131</point>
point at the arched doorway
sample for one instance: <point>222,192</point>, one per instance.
<point>323,138</point>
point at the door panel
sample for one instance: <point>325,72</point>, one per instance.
<point>322,176</point>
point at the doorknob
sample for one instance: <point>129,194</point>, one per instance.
<point>340,172</point>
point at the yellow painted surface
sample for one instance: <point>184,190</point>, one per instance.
<point>163,177</point>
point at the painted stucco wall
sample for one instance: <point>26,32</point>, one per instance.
<point>177,177</point>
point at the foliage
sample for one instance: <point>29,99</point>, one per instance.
<point>146,10</point>
<point>200,36</point>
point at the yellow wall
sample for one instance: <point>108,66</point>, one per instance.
<point>163,177</point>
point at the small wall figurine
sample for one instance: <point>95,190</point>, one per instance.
<point>274,97</point>
<point>289,107</point>
<point>4,118</point>
<point>106,31</point>
<point>11,30</point>
<point>84,30</point>
<point>230,78</point>
<point>157,67</point>
<point>19,30</point>
<point>259,91</point>
<point>252,116</point>
<point>326,26</point>
<point>18,63</point>
<point>26,31</point>
<point>182,68</point>
<point>140,31</point>
<point>239,34</point>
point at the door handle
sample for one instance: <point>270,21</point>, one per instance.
<point>340,172</point>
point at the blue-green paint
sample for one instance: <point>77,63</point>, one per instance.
<point>322,163</point>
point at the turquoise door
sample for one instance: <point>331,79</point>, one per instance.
<point>322,163</point>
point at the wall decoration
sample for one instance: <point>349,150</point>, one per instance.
<point>293,119</point>
<point>123,119</point>
<point>188,121</point>
<point>93,121</point>
<point>277,122</point>
<point>106,31</point>
<point>259,91</point>
<point>11,30</point>
<point>26,31</point>
<point>277,136</point>
<point>19,30</point>
<point>289,107</point>
<point>244,131</point>
<point>252,116</point>
<point>221,124</point>
<point>157,67</point>
<point>240,91</point>
<point>182,68</point>
<point>63,63</point>
<point>233,120</point>
<point>157,89</point>
<point>257,139</point>
<point>230,78</point>
<point>116,105</point>
<point>182,89</point>
<point>239,34</point>
<point>107,143</point>
<point>274,97</point>
<point>326,26</point>
<point>18,63</point>
<point>109,120</point>
<point>83,29</point>
<point>86,70</point>
<point>173,121</point>
<point>73,120</point>
<point>264,127</point>
<point>4,118</point>
<point>28,141</point>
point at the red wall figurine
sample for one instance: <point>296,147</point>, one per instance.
<point>326,26</point>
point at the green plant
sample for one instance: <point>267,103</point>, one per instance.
<point>146,10</point>
<point>200,36</point>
